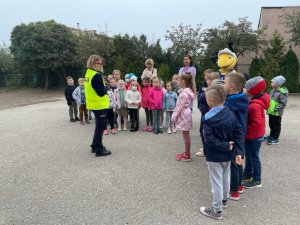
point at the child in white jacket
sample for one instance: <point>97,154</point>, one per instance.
<point>79,96</point>
<point>133,99</point>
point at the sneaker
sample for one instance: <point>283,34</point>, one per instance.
<point>241,189</point>
<point>87,122</point>
<point>81,122</point>
<point>209,212</point>
<point>235,196</point>
<point>113,131</point>
<point>145,128</point>
<point>224,204</point>
<point>119,129</point>
<point>246,179</point>
<point>266,138</point>
<point>183,157</point>
<point>200,153</point>
<point>150,129</point>
<point>169,131</point>
<point>160,131</point>
<point>156,131</point>
<point>174,130</point>
<point>72,120</point>
<point>273,142</point>
<point>105,132</point>
<point>104,152</point>
<point>90,118</point>
<point>124,128</point>
<point>252,184</point>
<point>77,119</point>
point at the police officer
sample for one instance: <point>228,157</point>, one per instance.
<point>97,100</point>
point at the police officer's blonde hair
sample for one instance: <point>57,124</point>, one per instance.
<point>92,60</point>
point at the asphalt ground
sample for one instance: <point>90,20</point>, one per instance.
<point>49,176</point>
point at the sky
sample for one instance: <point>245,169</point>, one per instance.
<point>135,17</point>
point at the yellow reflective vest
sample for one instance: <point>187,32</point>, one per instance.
<point>93,100</point>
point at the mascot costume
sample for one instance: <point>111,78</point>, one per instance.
<point>227,60</point>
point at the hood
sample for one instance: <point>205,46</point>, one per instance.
<point>219,120</point>
<point>238,102</point>
<point>263,100</point>
<point>189,92</point>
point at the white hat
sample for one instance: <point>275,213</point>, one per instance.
<point>227,51</point>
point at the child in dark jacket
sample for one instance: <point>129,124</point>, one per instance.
<point>256,128</point>
<point>203,107</point>
<point>222,133</point>
<point>278,102</point>
<point>238,103</point>
<point>73,108</point>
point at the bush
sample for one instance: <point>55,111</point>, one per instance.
<point>290,69</point>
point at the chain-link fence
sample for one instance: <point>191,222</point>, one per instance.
<point>18,80</point>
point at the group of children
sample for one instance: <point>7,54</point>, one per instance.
<point>233,128</point>
<point>232,121</point>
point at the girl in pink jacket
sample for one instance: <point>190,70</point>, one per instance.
<point>155,98</point>
<point>145,103</point>
<point>182,115</point>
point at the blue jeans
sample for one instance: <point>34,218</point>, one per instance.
<point>253,164</point>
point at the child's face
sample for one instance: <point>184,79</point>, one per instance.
<point>109,77</point>
<point>156,83</point>
<point>174,80</point>
<point>132,82</point>
<point>205,76</point>
<point>229,87</point>
<point>112,83</point>
<point>81,83</point>
<point>273,85</point>
<point>121,85</point>
<point>70,81</point>
<point>169,87</point>
<point>210,100</point>
<point>116,75</point>
<point>145,83</point>
<point>208,81</point>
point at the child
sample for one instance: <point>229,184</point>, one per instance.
<point>116,75</point>
<point>112,106</point>
<point>79,96</point>
<point>182,115</point>
<point>204,85</point>
<point>73,109</point>
<point>175,86</point>
<point>121,105</point>
<point>259,102</point>
<point>237,102</point>
<point>278,102</point>
<point>145,103</point>
<point>162,85</point>
<point>222,133</point>
<point>155,98</point>
<point>133,100</point>
<point>127,81</point>
<point>169,103</point>
<point>204,108</point>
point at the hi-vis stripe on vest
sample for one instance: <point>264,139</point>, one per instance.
<point>93,100</point>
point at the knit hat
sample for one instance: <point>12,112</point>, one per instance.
<point>255,85</point>
<point>279,80</point>
<point>227,51</point>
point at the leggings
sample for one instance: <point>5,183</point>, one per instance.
<point>110,117</point>
<point>148,117</point>
<point>187,142</point>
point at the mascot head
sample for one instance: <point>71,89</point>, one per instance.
<point>226,60</point>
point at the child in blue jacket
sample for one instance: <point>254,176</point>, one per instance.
<point>169,104</point>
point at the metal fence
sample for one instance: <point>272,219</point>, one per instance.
<point>18,80</point>
<point>243,68</point>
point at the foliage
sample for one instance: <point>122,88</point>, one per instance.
<point>292,21</point>
<point>254,69</point>
<point>7,64</point>
<point>242,35</point>
<point>291,71</point>
<point>47,46</point>
<point>273,57</point>
<point>185,39</point>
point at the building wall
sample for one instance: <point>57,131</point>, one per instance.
<point>270,18</point>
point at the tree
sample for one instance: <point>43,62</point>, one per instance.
<point>254,69</point>
<point>242,35</point>
<point>291,71</point>
<point>7,64</point>
<point>292,21</point>
<point>273,56</point>
<point>47,46</point>
<point>185,39</point>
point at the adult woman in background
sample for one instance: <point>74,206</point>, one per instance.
<point>97,100</point>
<point>150,71</point>
<point>188,67</point>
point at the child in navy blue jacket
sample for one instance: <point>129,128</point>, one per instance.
<point>222,134</point>
<point>238,103</point>
<point>73,108</point>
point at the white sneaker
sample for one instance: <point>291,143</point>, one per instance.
<point>200,153</point>
<point>169,131</point>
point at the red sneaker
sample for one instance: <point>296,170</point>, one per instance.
<point>183,157</point>
<point>105,132</point>
<point>150,129</point>
<point>234,196</point>
<point>241,189</point>
<point>145,128</point>
<point>113,131</point>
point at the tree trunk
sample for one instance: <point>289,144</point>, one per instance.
<point>46,79</point>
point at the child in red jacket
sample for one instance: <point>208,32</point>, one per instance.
<point>145,103</point>
<point>256,127</point>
